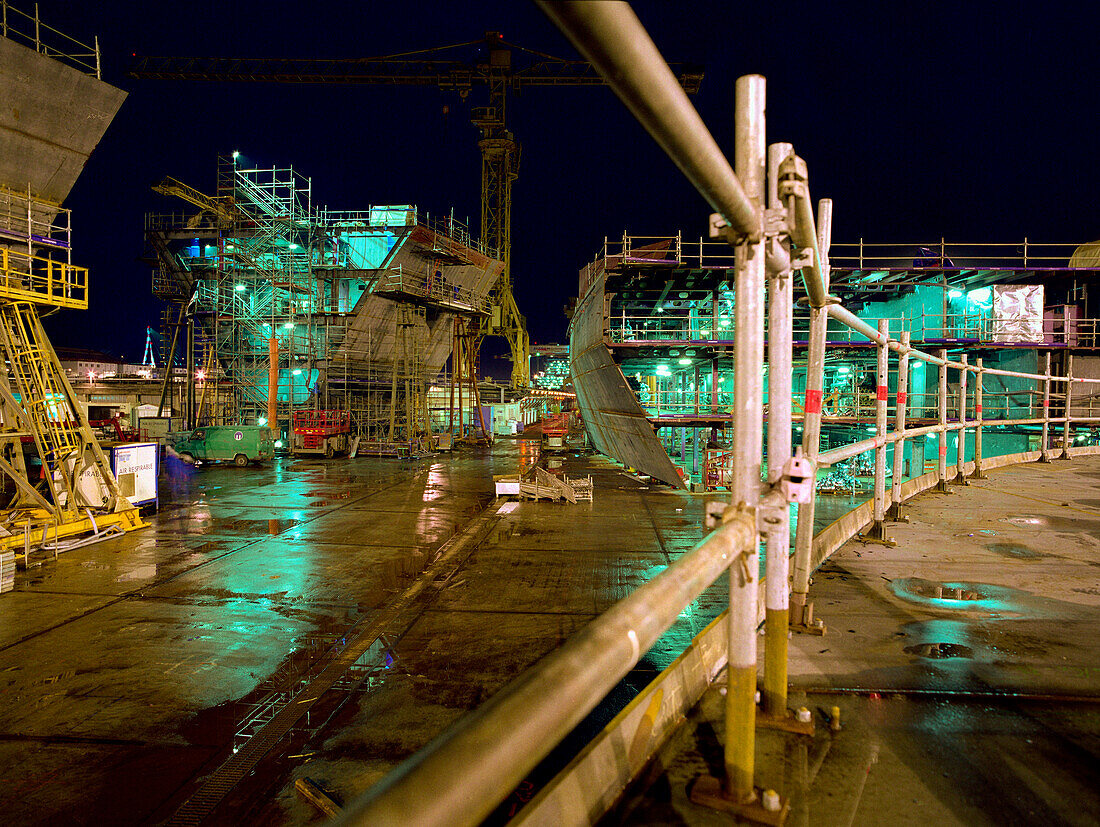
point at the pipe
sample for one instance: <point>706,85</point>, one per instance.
<point>749,161</point>
<point>613,40</point>
<point>777,560</point>
<point>462,775</point>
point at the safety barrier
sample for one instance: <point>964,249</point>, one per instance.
<point>461,776</point>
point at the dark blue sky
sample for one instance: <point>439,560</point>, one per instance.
<point>974,121</point>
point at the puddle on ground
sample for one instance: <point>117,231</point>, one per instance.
<point>940,650</point>
<point>998,601</point>
<point>1014,550</point>
<point>332,495</point>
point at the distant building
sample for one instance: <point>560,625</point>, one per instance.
<point>81,364</point>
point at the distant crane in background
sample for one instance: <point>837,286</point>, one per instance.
<point>492,67</point>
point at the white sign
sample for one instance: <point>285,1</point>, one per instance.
<point>135,469</point>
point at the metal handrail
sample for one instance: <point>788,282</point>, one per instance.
<point>12,18</point>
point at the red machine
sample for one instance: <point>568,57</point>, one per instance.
<point>320,432</point>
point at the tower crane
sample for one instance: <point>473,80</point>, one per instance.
<point>497,66</point>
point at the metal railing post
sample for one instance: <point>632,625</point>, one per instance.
<point>802,610</point>
<point>777,560</point>
<point>877,531</point>
<point>895,512</point>
<point>740,747</point>
<point>1066,439</point>
<point>960,443</point>
<point>978,416</point>
<point>941,465</point>
<point>1044,449</point>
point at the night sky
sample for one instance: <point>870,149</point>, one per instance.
<point>976,122</point>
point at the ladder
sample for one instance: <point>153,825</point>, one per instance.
<point>60,430</point>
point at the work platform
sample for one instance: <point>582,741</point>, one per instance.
<point>134,669</point>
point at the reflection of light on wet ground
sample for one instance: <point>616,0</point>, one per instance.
<point>999,601</point>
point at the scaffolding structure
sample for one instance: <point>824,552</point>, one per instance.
<point>78,492</point>
<point>277,307</point>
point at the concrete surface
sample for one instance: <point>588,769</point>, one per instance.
<point>127,667</point>
<point>976,706</point>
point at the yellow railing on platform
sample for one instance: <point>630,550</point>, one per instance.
<point>25,277</point>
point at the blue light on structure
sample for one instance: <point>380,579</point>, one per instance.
<point>236,155</point>
<point>261,421</point>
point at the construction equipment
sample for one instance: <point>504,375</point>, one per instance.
<point>492,67</point>
<point>78,493</point>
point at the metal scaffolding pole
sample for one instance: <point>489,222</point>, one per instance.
<point>941,465</point>
<point>1066,439</point>
<point>1044,449</point>
<point>749,161</point>
<point>895,512</point>
<point>882,374</point>
<point>978,393</point>
<point>777,560</point>
<point>960,450</point>
<point>801,611</point>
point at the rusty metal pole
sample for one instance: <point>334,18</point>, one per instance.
<point>882,375</point>
<point>895,512</point>
<point>1044,450</point>
<point>777,559</point>
<point>978,392</point>
<point>1069,406</point>
<point>960,450</point>
<point>941,465</point>
<point>749,160</point>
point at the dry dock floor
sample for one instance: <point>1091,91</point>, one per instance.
<point>378,601</point>
<point>965,664</point>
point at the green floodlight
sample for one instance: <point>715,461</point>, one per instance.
<point>236,155</point>
<point>954,294</point>
<point>288,326</point>
<point>685,361</point>
<point>240,287</point>
<point>261,421</point>
<point>296,372</point>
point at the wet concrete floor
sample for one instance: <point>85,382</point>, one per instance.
<point>133,669</point>
<point>383,599</point>
<point>963,662</point>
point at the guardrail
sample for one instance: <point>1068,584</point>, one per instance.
<point>24,277</point>
<point>462,775</point>
<point>31,31</point>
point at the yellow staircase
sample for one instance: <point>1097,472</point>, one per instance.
<point>37,400</point>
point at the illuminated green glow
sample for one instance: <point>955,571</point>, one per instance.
<point>288,326</point>
<point>954,294</point>
<point>240,287</point>
<point>685,361</point>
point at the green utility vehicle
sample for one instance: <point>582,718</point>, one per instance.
<point>239,444</point>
